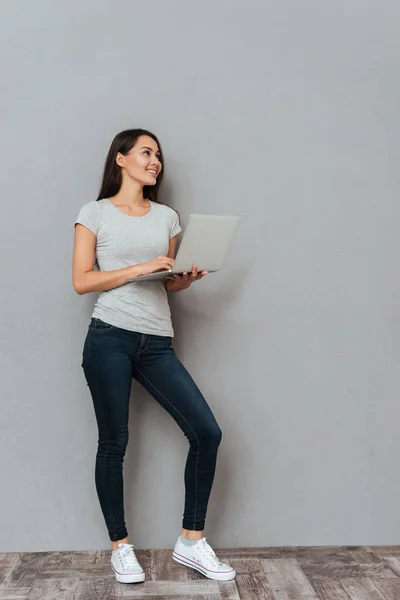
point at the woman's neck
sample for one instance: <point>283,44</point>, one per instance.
<point>130,195</point>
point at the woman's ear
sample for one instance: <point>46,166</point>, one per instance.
<point>120,159</point>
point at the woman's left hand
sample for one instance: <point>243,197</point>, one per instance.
<point>182,282</point>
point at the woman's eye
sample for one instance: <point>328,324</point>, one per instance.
<point>147,152</point>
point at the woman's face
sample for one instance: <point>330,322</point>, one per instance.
<point>142,162</point>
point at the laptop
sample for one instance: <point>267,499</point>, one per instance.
<point>205,243</point>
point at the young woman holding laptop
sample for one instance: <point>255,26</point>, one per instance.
<point>128,232</point>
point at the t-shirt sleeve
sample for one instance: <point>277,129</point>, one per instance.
<point>89,216</point>
<point>175,227</point>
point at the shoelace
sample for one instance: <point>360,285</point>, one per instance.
<point>207,551</point>
<point>128,557</point>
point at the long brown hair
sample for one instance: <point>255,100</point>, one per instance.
<point>112,176</point>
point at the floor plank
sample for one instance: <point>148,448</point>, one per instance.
<point>287,580</point>
<point>362,589</point>
<point>250,579</point>
<point>329,588</point>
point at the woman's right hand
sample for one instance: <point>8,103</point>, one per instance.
<point>161,263</point>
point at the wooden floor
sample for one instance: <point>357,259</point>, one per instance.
<point>304,573</point>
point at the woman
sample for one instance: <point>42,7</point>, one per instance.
<point>128,232</point>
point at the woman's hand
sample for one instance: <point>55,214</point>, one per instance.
<point>176,283</point>
<point>161,263</point>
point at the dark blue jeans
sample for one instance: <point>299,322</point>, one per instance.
<point>111,358</point>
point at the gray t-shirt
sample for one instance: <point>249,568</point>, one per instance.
<point>123,241</point>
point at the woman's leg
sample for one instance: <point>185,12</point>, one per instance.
<point>160,371</point>
<point>108,371</point>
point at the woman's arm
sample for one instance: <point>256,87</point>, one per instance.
<point>86,280</point>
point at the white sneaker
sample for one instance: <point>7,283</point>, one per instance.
<point>202,557</point>
<point>125,564</point>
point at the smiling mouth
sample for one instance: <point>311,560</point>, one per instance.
<point>152,173</point>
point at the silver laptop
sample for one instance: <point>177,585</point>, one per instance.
<point>205,243</point>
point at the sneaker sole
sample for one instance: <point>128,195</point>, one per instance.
<point>203,571</point>
<point>131,578</point>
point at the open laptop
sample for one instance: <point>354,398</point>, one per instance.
<point>205,243</point>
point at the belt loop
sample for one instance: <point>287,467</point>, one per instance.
<point>142,341</point>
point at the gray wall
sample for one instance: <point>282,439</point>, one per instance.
<point>285,113</point>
